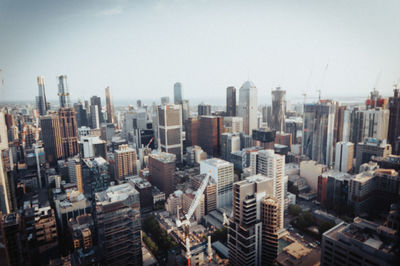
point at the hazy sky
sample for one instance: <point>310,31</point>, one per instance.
<point>140,48</point>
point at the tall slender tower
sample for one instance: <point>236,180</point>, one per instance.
<point>248,106</point>
<point>110,106</point>
<point>41,103</point>
<point>178,95</point>
<point>69,132</point>
<point>231,101</point>
<point>278,109</point>
<point>63,92</point>
<point>95,100</point>
<point>51,135</point>
<point>394,121</point>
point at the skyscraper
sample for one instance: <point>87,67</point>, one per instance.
<point>125,162</point>
<point>270,217</point>
<point>231,101</point>
<point>272,165</point>
<point>110,106</point>
<point>69,132</point>
<point>394,121</point>
<point>170,129</point>
<point>248,106</point>
<point>278,109</point>
<point>222,173</point>
<point>178,95</point>
<point>211,128</point>
<point>95,176</point>
<point>344,156</point>
<point>162,170</point>
<point>63,91</point>
<point>203,109</point>
<point>41,103</point>
<point>95,100</point>
<point>51,136</point>
<point>94,117</point>
<point>245,237</point>
<point>318,131</point>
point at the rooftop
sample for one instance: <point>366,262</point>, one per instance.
<point>116,193</point>
<point>216,162</point>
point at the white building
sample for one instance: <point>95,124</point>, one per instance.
<point>233,124</point>
<point>248,107</point>
<point>344,156</point>
<point>222,173</point>
<point>310,171</point>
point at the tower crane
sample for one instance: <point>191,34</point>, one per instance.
<point>189,214</point>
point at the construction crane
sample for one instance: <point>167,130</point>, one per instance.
<point>188,215</point>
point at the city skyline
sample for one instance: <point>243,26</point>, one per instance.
<point>353,46</point>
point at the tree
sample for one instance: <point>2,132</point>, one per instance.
<point>305,220</point>
<point>325,226</point>
<point>295,209</point>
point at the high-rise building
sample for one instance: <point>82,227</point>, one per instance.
<point>222,173</point>
<point>81,115</point>
<point>264,138</point>
<point>278,109</point>
<point>185,111</point>
<point>344,156</point>
<point>270,217</point>
<point>51,136</point>
<point>248,106</point>
<point>63,91</point>
<point>165,100</point>
<point>92,146</point>
<point>394,122</point>
<point>230,142</point>
<point>233,124</point>
<point>95,100</point>
<point>95,176</point>
<point>12,230</point>
<point>245,232</point>
<point>170,130</point>
<point>272,165</point>
<point>318,131</point>
<point>118,222</point>
<point>231,101</point>
<point>371,147</point>
<point>69,132</point>
<point>162,171</point>
<point>210,192</point>
<point>211,128</point>
<point>41,103</point>
<point>125,162</point>
<point>359,243</point>
<point>192,131</point>
<point>110,106</point>
<point>178,94</point>
<point>203,109</point>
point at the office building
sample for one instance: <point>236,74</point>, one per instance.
<point>93,146</point>
<point>233,124</point>
<point>145,191</point>
<point>222,173</point>
<point>245,231</point>
<point>294,126</point>
<point>178,94</point>
<point>333,189</point>
<point>231,101</point>
<point>63,92</point>
<point>318,131</point>
<point>162,171</point>
<point>211,128</point>
<point>118,222</point>
<point>270,217</point>
<point>371,147</point>
<point>187,199</point>
<point>94,117</point>
<point>110,106</point>
<point>185,111</point>
<point>195,154</point>
<point>210,193</point>
<point>69,132</point>
<point>165,100</point>
<point>95,176</point>
<point>344,156</point>
<point>361,242</point>
<point>170,130</point>
<point>230,142</point>
<point>192,131</point>
<point>374,191</point>
<point>394,121</point>
<point>51,137</point>
<point>125,162</point>
<point>310,171</point>
<point>264,138</point>
<point>278,109</point>
<point>41,103</point>
<point>81,115</point>
<point>203,109</point>
<point>271,165</point>
<point>248,106</point>
<point>95,100</point>
<point>74,169</point>
<point>107,132</point>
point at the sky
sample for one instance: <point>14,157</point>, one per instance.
<point>141,48</point>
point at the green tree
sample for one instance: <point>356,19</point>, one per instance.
<point>295,209</point>
<point>325,226</point>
